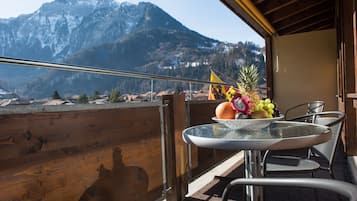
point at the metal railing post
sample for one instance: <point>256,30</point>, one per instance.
<point>151,90</point>
<point>190,90</point>
<point>168,143</point>
<point>188,123</point>
<point>165,186</point>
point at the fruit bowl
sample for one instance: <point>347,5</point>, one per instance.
<point>247,124</point>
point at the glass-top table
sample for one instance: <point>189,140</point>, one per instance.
<point>279,135</point>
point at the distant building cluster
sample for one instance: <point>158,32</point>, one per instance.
<point>99,99</point>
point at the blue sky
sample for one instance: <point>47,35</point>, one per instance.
<point>208,17</point>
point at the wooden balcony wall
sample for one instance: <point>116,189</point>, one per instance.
<point>203,159</point>
<point>104,154</point>
<point>180,115</point>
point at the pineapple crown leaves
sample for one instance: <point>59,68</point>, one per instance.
<point>248,78</point>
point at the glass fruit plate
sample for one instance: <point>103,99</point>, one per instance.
<point>247,124</point>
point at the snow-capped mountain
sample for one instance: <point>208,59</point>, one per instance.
<point>106,34</point>
<point>63,27</point>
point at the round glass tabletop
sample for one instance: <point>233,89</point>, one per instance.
<point>279,135</point>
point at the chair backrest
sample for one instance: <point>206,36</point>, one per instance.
<point>304,108</point>
<point>315,106</point>
<point>328,149</point>
<point>332,119</point>
<point>343,188</point>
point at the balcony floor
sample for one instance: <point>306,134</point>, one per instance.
<point>213,191</point>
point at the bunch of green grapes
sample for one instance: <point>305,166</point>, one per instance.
<point>265,105</point>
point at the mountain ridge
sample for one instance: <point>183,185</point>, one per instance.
<point>133,37</point>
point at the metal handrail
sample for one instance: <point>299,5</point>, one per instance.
<point>88,69</point>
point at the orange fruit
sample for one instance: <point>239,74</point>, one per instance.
<point>225,111</point>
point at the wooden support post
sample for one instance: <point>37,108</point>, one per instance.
<point>176,149</point>
<point>347,68</point>
<point>269,66</point>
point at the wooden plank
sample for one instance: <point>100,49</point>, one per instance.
<point>323,27</point>
<point>352,95</point>
<point>257,2</point>
<point>177,162</point>
<point>349,76</point>
<point>340,54</point>
<point>351,122</point>
<point>179,112</point>
<point>326,24</point>
<point>84,155</point>
<point>294,9</point>
<point>204,159</point>
<point>341,107</point>
<point>354,25</point>
<point>97,175</point>
<point>71,131</point>
<point>202,112</point>
<point>340,66</point>
<point>313,12</point>
<point>269,66</point>
<point>309,24</point>
<point>274,5</point>
<point>170,150</point>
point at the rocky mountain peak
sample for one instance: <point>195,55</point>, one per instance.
<point>86,2</point>
<point>62,27</point>
<point>102,33</point>
<point>73,7</point>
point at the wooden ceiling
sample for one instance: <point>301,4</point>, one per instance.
<point>294,16</point>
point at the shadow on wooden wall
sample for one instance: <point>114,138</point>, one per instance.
<point>119,183</point>
<point>108,154</point>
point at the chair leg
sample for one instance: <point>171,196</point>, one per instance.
<point>316,194</point>
<point>332,175</point>
<point>226,191</point>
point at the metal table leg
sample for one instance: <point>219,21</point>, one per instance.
<point>253,169</point>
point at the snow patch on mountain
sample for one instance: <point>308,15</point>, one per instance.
<point>4,92</point>
<point>62,27</point>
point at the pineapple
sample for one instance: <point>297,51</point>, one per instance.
<point>248,81</point>
<point>248,78</point>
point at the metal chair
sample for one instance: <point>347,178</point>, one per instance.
<point>343,188</point>
<point>304,108</point>
<point>286,163</point>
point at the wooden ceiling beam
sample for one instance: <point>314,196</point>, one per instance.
<point>294,9</point>
<point>304,27</point>
<point>303,17</point>
<point>274,5</point>
<point>317,27</point>
<point>256,2</point>
<point>326,26</point>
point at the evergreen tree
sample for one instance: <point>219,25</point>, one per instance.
<point>83,99</point>
<point>96,95</point>
<point>114,96</point>
<point>179,89</point>
<point>56,95</point>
